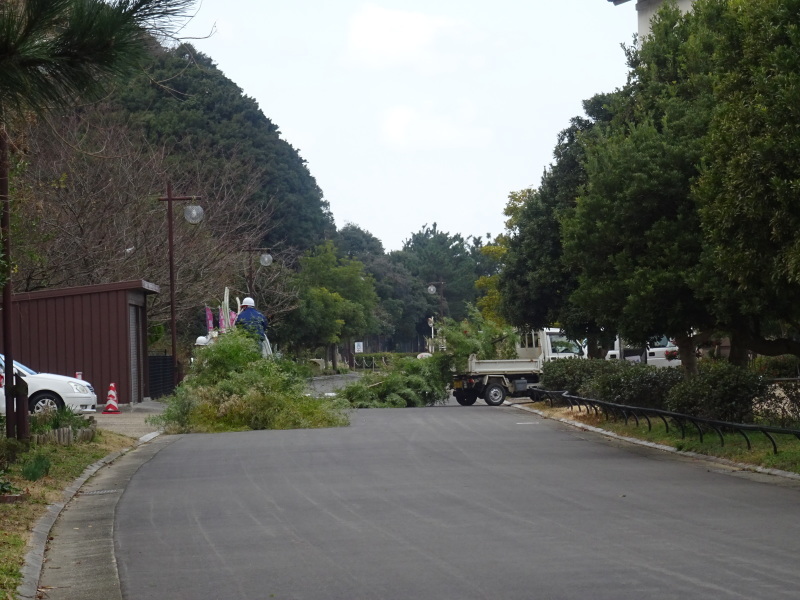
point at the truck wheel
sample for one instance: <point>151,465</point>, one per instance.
<point>466,399</point>
<point>494,394</point>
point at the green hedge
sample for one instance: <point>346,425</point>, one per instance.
<point>720,391</point>
<point>633,385</point>
<point>787,365</point>
<point>572,375</point>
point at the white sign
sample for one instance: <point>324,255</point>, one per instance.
<point>359,347</point>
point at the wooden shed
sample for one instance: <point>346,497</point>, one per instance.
<point>97,330</point>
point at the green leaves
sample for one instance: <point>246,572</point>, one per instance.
<point>55,51</point>
<point>337,299</point>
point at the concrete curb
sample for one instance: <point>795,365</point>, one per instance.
<point>37,544</point>
<point>706,457</point>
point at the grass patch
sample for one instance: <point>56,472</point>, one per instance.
<point>735,448</point>
<point>16,520</point>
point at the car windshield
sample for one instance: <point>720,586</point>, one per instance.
<point>559,343</point>
<point>19,366</point>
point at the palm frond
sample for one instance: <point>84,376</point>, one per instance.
<point>54,51</point>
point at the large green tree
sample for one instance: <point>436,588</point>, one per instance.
<point>750,181</point>
<point>337,301</point>
<point>634,238</point>
<point>536,283</point>
<point>402,298</point>
<point>448,262</point>
<point>186,104</point>
<point>53,52</point>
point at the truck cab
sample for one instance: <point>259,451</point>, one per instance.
<point>548,344</point>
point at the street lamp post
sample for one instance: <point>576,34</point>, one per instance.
<point>264,259</point>
<point>433,286</point>
<point>193,214</point>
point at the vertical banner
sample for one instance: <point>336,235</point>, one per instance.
<point>209,320</point>
<point>222,328</point>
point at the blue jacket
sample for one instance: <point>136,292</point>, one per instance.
<point>253,322</point>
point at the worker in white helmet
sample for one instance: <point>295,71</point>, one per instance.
<point>252,321</point>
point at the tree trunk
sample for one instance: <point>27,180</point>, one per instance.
<point>738,354</point>
<point>687,354</point>
<point>335,358</point>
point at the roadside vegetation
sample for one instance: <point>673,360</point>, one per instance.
<point>735,448</point>
<point>231,387</point>
<point>42,473</point>
<point>720,391</point>
<point>405,382</point>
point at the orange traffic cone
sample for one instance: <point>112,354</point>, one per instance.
<point>112,408</point>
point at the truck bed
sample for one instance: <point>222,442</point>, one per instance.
<point>509,366</point>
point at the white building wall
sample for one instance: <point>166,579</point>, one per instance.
<point>647,8</point>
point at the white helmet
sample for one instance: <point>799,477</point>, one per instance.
<point>248,302</point>
<point>201,341</point>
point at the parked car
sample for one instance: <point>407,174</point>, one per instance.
<point>660,353</point>
<point>47,391</point>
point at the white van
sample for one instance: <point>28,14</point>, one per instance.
<point>659,353</point>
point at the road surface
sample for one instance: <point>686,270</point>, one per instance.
<point>449,502</point>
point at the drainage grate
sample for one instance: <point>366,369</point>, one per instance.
<point>100,492</point>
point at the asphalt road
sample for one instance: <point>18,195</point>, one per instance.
<point>450,502</point>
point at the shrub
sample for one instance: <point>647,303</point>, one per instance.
<point>49,420</point>
<point>410,382</point>
<point>6,486</point>
<point>787,365</point>
<point>720,391</point>
<point>633,385</point>
<point>231,387</point>
<point>36,467</point>
<point>230,353</point>
<point>573,375</point>
<point>10,450</point>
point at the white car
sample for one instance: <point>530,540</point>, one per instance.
<point>47,391</point>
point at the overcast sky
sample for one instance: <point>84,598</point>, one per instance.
<point>413,112</point>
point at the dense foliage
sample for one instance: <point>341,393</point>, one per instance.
<point>720,391</point>
<point>671,209</point>
<point>230,387</point>
<point>185,103</point>
<point>407,382</point>
<point>623,382</point>
<point>573,376</point>
<point>475,334</point>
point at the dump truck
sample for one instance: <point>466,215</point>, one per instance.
<point>494,380</point>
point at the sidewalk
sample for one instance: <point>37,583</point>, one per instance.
<point>130,420</point>
<point>77,533</point>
